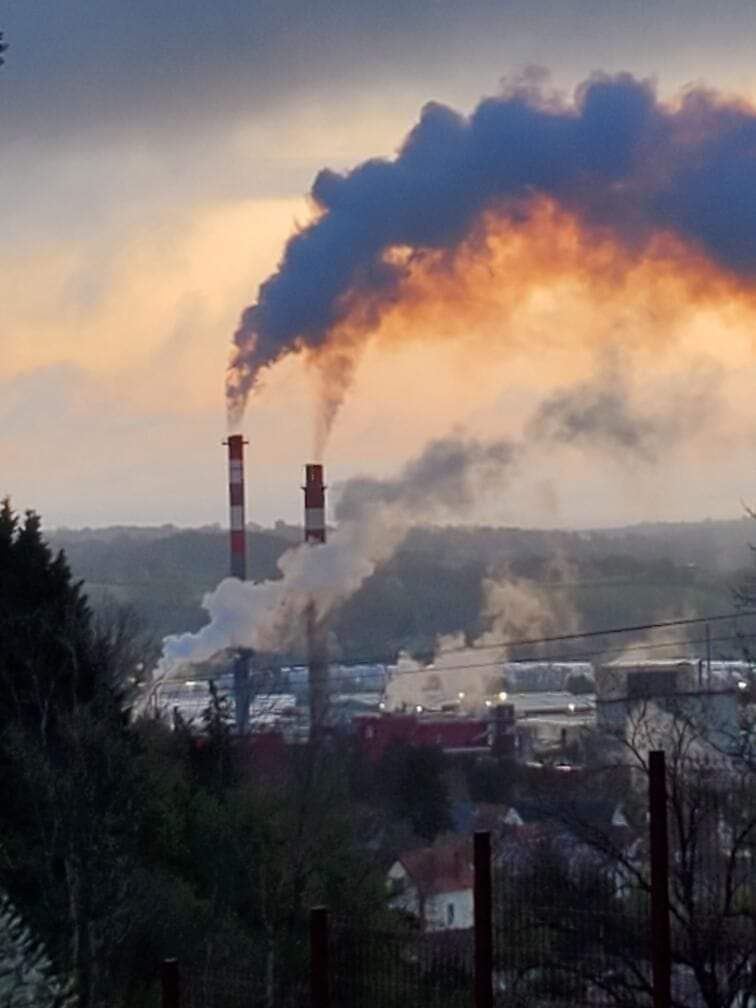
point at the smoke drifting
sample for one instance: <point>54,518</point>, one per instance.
<point>514,609</point>
<point>448,477</point>
<point>374,518</point>
<point>625,168</point>
<point>605,412</point>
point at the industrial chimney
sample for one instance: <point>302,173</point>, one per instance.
<point>238,569</point>
<point>315,534</point>
<point>314,491</point>
<point>238,534</point>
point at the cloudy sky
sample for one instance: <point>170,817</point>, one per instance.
<point>157,155</point>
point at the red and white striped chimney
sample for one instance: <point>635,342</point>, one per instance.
<point>238,533</point>
<point>314,491</point>
<point>315,533</point>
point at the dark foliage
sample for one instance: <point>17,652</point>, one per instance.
<point>414,789</point>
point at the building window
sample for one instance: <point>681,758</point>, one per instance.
<point>449,914</point>
<point>396,886</point>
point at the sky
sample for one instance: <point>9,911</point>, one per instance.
<point>155,158</point>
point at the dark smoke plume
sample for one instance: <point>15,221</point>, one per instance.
<point>603,413</point>
<point>596,413</point>
<point>616,158</point>
<point>447,478</point>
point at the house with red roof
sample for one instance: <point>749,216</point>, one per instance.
<point>435,885</point>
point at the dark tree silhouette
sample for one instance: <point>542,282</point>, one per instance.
<point>69,792</point>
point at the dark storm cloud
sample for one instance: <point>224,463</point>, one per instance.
<point>114,64</point>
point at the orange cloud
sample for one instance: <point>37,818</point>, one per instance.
<point>544,289</point>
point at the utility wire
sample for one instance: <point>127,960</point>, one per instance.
<point>345,676</point>
<point>637,628</point>
<point>560,638</point>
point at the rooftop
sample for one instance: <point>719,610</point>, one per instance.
<point>445,868</point>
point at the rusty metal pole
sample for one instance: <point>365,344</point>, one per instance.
<point>169,984</point>
<point>319,988</point>
<point>483,920</point>
<point>661,940</point>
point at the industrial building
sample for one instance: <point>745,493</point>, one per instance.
<point>459,702</point>
<point>660,694</point>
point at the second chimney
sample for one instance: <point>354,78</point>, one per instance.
<point>315,534</point>
<point>238,533</point>
<point>314,491</point>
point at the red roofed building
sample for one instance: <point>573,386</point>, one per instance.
<point>451,733</point>
<point>435,884</point>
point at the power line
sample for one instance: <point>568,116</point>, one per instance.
<point>537,641</point>
<point>344,676</point>
<point>561,638</point>
<point>637,628</point>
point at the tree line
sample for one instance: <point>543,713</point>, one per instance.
<point>124,841</point>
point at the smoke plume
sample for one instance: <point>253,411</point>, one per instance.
<point>606,412</point>
<point>374,516</point>
<point>513,609</point>
<point>448,478</point>
<point>516,609</point>
<point>675,181</point>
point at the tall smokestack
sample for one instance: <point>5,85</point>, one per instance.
<point>315,534</point>
<point>314,491</point>
<point>238,568</point>
<point>238,534</point>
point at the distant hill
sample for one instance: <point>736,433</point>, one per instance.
<point>433,583</point>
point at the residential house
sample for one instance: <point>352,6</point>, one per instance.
<point>435,885</point>
<point>589,833</point>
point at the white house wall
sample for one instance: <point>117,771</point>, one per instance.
<point>437,911</point>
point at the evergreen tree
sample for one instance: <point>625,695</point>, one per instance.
<point>69,769</point>
<point>415,790</point>
<point>214,761</point>
<point>45,630</point>
<point>27,979</point>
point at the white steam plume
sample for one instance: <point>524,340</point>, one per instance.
<point>445,481</point>
<point>514,609</point>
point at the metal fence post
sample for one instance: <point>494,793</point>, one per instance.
<point>319,987</point>
<point>661,941</point>
<point>169,984</point>
<point>483,920</point>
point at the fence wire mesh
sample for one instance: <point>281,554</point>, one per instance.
<point>244,987</point>
<point>371,969</point>
<point>571,898</point>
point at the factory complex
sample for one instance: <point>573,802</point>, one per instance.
<point>461,703</point>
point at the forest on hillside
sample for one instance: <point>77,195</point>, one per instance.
<point>435,583</point>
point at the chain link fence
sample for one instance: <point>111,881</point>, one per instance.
<point>574,916</point>
<point>389,970</point>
